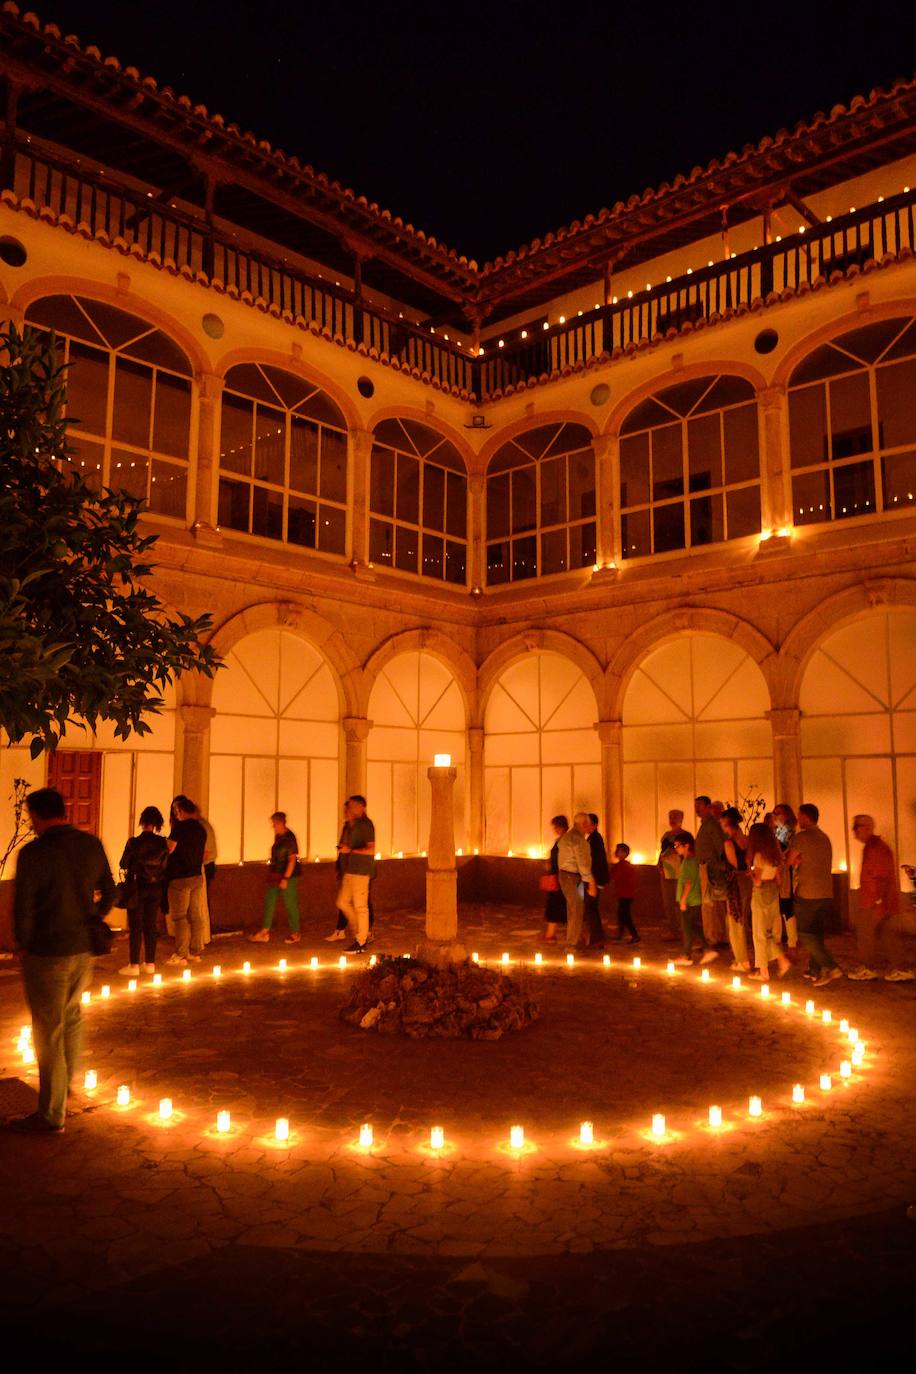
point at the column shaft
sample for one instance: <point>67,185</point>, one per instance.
<point>785,723</point>
<point>475,788</point>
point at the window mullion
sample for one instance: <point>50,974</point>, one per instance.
<point>109,421</point>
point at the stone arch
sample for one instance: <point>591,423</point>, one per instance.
<point>409,412</point>
<point>273,357</point>
<point>535,420</point>
<point>852,319</point>
<point>428,641</point>
<point>713,367</point>
<point>545,641</point>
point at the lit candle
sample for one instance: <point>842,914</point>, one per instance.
<point>342,961</point>
<point>736,982</point>
<point>246,967</point>
<point>442,760</point>
<point>658,1124</point>
<point>313,962</point>
<point>186,975</point>
<point>517,1137</point>
<point>539,958</point>
<point>123,1095</point>
<point>786,999</point>
<point>282,965</point>
<point>281,1130</point>
<point>637,962</point>
<point>858,1053</point>
<point>764,990</point>
<point>28,1055</point>
<point>436,1138</point>
<point>504,959</point>
<point>90,1079</point>
<point>25,1033</point>
<point>606,961</point>
<point>475,957</point>
<point>223,1122</point>
<point>586,1133</point>
<point>86,998</point>
<point>669,967</point>
<point>798,1093</point>
<point>218,970</point>
<point>809,1007</point>
<point>826,1017</point>
<point>373,960</point>
<point>844,1027</point>
<point>106,990</point>
<point>826,1082</point>
<point>853,1035</point>
<point>704,976</point>
<point>715,1116</point>
<point>165,1108</point>
<point>131,985</point>
<point>846,1069</point>
<point>365,1136</point>
<point>570,960</point>
<point>157,980</point>
<point>755,1107</point>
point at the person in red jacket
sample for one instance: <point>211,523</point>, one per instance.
<point>625,879</point>
<point>879,901</point>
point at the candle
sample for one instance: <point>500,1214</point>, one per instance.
<point>365,1136</point>
<point>715,1116</point>
<point>90,1080</point>
<point>637,962</point>
<point>755,1107</point>
<point>28,1055</point>
<point>846,1069</point>
<point>282,965</point>
<point>826,1082</point>
<point>853,1035</point>
<point>826,1017</point>
<point>131,985</point>
<point>442,760</point>
<point>186,975</point>
<point>165,1108</point>
<point>704,976</point>
<point>373,960</point>
<point>858,1053</point>
<point>313,962</point>
<point>798,1093</point>
<point>669,967</point>
<point>436,1138</point>
<point>123,1095</point>
<point>86,998</point>
<point>786,999</point>
<point>736,982</point>
<point>517,1137</point>
<point>106,990</point>
<point>606,961</point>
<point>570,960</point>
<point>844,1027</point>
<point>586,1133</point>
<point>246,967</point>
<point>281,1130</point>
<point>764,990</point>
<point>539,958</point>
<point>504,959</point>
<point>658,1124</point>
<point>809,1007</point>
<point>342,961</point>
<point>157,980</point>
<point>475,957</point>
<point>25,1033</point>
<point>223,1122</point>
<point>217,970</point>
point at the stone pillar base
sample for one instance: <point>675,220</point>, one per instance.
<point>441,905</point>
<point>441,953</point>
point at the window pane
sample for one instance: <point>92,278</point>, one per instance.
<point>433,497</point>
<point>706,520</point>
<point>133,402</point>
<point>301,522</point>
<point>168,489</point>
<point>808,426</point>
<point>332,529</point>
<point>235,434</point>
<point>408,493</point>
<point>850,419</point>
<point>553,552</point>
<point>233,504</point>
<point>583,545</point>
<point>811,498</point>
<point>455,562</point>
<point>899,477</point>
<point>172,416</point>
<point>897,403</point>
<point>269,445</point>
<point>667,463</point>
<point>498,506</point>
<point>853,490</point>
<point>743,508</point>
<point>634,535</point>
<point>497,564</point>
<point>381,543</point>
<point>742,453</point>
<point>456,509</point>
<point>553,492</point>
<point>524,509</point>
<point>267,513</point>
<point>634,470</point>
<point>303,455</point>
<point>333,465</point>
<point>129,472</point>
<point>381,482</point>
<point>581,485</point>
<point>87,388</point>
<point>407,550</point>
<point>704,452</point>
<point>524,558</point>
<point>432,555</point>
<point>668,527</point>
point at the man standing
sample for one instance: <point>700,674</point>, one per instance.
<point>357,864</point>
<point>710,851</point>
<point>669,867</point>
<point>63,883</point>
<point>879,897</point>
<point>811,856</point>
<point>587,822</point>
<point>574,862</point>
<point>184,872</point>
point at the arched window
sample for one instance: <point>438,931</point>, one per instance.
<point>418,502</point>
<point>282,460</point>
<point>128,400</point>
<point>541,504</point>
<point>690,467</point>
<point>852,424</point>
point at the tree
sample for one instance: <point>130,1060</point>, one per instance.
<point>81,635</point>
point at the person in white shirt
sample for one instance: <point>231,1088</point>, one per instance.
<point>764,857</point>
<point>574,860</point>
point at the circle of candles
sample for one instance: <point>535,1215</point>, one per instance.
<point>365,1136</point>
<point>223,1122</point>
<point>165,1108</point>
<point>90,1079</point>
<point>736,982</point>
<point>704,976</point>
<point>669,967</point>
<point>809,1007</point>
<point>764,990</point>
<point>105,991</point>
<point>246,967</point>
<point>517,1137</point>
<point>846,1069</point>
<point>86,998</point>
<point>786,999</point>
<point>186,975</point>
<point>342,961</point>
<point>586,1133</point>
<point>282,965</point>
<point>658,1124</point>
<point>606,961</point>
<point>637,962</point>
<point>798,1093</point>
<point>826,1082</point>
<point>123,1095</point>
<point>844,1027</point>
<point>131,985</point>
<point>826,1017</point>
<point>715,1116</point>
<point>504,959</point>
<point>313,962</point>
<point>217,970</point>
<point>281,1130</point>
<point>157,980</point>
<point>570,960</point>
<point>754,1107</point>
<point>436,1138</point>
<point>539,958</point>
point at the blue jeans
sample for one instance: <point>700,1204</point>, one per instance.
<point>53,988</point>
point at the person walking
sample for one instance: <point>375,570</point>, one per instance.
<point>765,860</point>
<point>668,868</point>
<point>785,824</point>
<point>587,822</point>
<point>690,901</point>
<point>625,880</point>
<point>811,856</point>
<point>737,887</point>
<point>63,888</point>
<point>574,861</point>
<point>878,902</point>
<point>282,881</point>
<point>357,871</point>
<point>555,902</point>
<point>143,864</point>
<point>184,874</point>
<point>340,929</point>
<point>710,851</point>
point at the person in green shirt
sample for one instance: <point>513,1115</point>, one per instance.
<point>357,864</point>
<point>690,901</point>
<point>282,881</point>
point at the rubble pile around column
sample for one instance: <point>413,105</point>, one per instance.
<point>413,998</point>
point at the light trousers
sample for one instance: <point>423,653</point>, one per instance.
<point>53,988</point>
<point>766,924</point>
<point>186,910</point>
<point>353,901</point>
<point>575,907</point>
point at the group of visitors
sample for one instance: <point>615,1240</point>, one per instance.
<point>577,872</point>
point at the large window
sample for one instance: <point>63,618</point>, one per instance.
<point>690,467</point>
<point>541,504</point>
<point>128,400</point>
<point>283,459</point>
<point>853,425</point>
<point>418,502</point>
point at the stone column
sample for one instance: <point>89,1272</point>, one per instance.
<point>609,733</point>
<point>360,459</point>
<point>476,792</point>
<point>477,532</point>
<point>441,945</point>
<point>356,732</point>
<point>785,723</point>
<point>775,488</point>
<point>192,758</point>
<point>204,513</point>
<point>607,486</point>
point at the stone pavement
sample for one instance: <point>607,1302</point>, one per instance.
<point>396,1253</point>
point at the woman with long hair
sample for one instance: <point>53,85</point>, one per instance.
<point>737,887</point>
<point>143,865</point>
<point>765,861</point>
<point>555,903</point>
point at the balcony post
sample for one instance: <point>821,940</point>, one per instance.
<point>477,534</point>
<point>204,513</point>
<point>606,448</point>
<point>360,459</point>
<point>775,480</point>
<point>8,149</point>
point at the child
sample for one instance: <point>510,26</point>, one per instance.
<point>690,900</point>
<point>625,879</point>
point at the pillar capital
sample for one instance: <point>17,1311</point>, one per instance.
<point>475,738</point>
<point>604,445</point>
<point>362,440</point>
<point>785,721</point>
<point>772,397</point>
<point>477,482</point>
<point>195,719</point>
<point>609,731</point>
<point>356,729</point>
<point>210,386</point>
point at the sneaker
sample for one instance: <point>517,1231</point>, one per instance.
<point>148,968</point>
<point>900,975</point>
<point>335,935</point>
<point>708,956</point>
<point>34,1124</point>
<point>739,968</point>
<point>130,971</point>
<point>684,961</point>
<point>830,976</point>
<point>292,938</point>
<point>862,975</point>
<point>355,948</point>
<point>177,959</point>
<point>260,937</point>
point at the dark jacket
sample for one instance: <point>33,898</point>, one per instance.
<point>144,859</point>
<point>56,878</point>
<point>600,871</point>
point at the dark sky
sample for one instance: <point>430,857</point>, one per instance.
<point>488,124</point>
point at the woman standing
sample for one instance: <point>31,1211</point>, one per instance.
<point>143,865</point>
<point>737,887</point>
<point>786,824</point>
<point>765,859</point>
<point>555,904</point>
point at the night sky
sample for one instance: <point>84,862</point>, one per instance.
<point>489,124</point>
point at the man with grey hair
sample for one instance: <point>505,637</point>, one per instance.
<point>574,863</point>
<point>877,913</point>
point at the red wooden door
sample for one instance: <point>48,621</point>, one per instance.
<point>77,775</point>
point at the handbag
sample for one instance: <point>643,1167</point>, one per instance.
<point>549,882</point>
